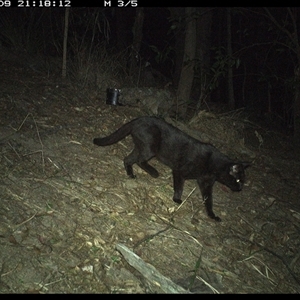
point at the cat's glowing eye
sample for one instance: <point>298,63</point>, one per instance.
<point>237,180</point>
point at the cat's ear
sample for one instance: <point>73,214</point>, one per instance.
<point>245,165</point>
<point>235,168</point>
<point>238,167</point>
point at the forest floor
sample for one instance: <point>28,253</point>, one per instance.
<point>66,204</point>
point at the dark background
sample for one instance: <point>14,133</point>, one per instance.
<point>264,58</point>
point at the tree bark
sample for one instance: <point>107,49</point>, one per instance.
<point>231,101</point>
<point>65,43</point>
<point>137,40</point>
<point>187,71</point>
<point>292,36</point>
<point>177,14</point>
<point>203,53</point>
<point>297,111</point>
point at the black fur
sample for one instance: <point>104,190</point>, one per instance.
<point>187,157</point>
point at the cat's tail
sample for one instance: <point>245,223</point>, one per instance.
<point>115,137</point>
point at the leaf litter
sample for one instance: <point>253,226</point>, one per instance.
<point>66,205</point>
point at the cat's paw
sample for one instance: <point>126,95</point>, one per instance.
<point>132,176</point>
<point>217,219</point>
<point>213,216</point>
<point>177,200</point>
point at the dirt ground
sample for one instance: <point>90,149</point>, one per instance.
<point>65,204</point>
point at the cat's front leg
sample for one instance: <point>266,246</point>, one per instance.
<point>206,191</point>
<point>209,207</point>
<point>178,182</point>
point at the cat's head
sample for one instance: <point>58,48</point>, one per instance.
<point>234,175</point>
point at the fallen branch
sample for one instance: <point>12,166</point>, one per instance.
<point>149,272</point>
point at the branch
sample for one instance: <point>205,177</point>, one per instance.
<point>294,25</point>
<point>149,272</point>
<point>292,38</point>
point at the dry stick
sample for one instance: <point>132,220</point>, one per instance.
<point>149,271</point>
<point>188,196</point>
<point>150,237</point>
<point>180,230</point>
<point>9,144</point>
<point>19,225</point>
<point>264,275</point>
<point>38,134</point>
<point>42,151</point>
<point>23,122</point>
<point>16,130</point>
<point>282,259</point>
<point>215,291</point>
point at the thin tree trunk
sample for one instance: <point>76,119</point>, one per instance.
<point>292,35</point>
<point>177,15</point>
<point>187,72</point>
<point>66,28</point>
<point>203,53</point>
<point>231,101</point>
<point>297,111</point>
<point>137,40</point>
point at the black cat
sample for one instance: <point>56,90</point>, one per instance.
<point>187,157</point>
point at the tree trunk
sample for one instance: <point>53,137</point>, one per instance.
<point>120,28</point>
<point>177,15</point>
<point>293,37</point>
<point>187,71</point>
<point>64,62</point>
<point>203,53</point>
<point>137,40</point>
<point>297,112</point>
<point>231,101</point>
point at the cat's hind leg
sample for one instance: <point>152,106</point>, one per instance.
<point>141,159</point>
<point>146,152</point>
<point>135,157</point>
<point>149,169</point>
<point>129,161</point>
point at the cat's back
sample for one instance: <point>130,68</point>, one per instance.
<point>153,121</point>
<point>150,121</point>
<point>168,133</point>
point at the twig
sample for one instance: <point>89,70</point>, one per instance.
<point>39,137</point>
<point>53,282</point>
<point>188,196</point>
<point>261,273</point>
<point>19,225</point>
<point>33,152</point>
<point>13,149</point>
<point>180,230</point>
<point>210,286</point>
<point>16,130</point>
<point>55,165</point>
<point>23,122</point>
<point>7,273</point>
<point>296,278</point>
<point>42,150</point>
<point>150,237</point>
